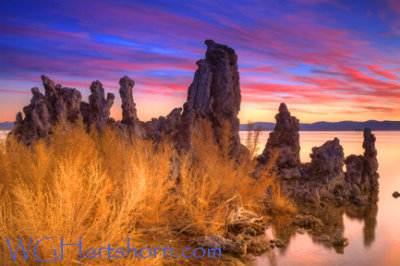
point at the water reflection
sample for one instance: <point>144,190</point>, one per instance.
<point>368,215</point>
<point>332,218</point>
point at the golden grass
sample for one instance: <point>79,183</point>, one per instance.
<point>106,187</point>
<point>253,138</point>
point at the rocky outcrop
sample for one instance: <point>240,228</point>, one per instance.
<point>323,179</point>
<point>129,120</point>
<point>97,111</point>
<point>246,234</point>
<point>354,168</point>
<point>60,105</point>
<point>361,170</point>
<point>129,115</point>
<point>327,161</point>
<point>370,173</point>
<point>36,123</point>
<point>214,95</point>
<point>170,126</point>
<point>57,105</point>
<point>284,140</point>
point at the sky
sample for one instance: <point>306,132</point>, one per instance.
<point>329,60</point>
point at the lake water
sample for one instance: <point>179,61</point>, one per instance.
<point>3,134</point>
<point>373,233</point>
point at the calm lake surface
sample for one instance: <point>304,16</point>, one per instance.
<point>3,134</point>
<point>373,239</point>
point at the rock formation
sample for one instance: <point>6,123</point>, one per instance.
<point>323,179</point>
<point>284,140</point>
<point>362,169</point>
<point>129,114</point>
<point>214,94</point>
<point>327,161</point>
<point>170,126</point>
<point>97,111</point>
<point>370,160</point>
<point>58,105</point>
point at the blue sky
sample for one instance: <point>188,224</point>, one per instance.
<point>329,60</point>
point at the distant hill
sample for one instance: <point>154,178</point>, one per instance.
<point>6,125</point>
<point>318,126</point>
<point>335,126</point>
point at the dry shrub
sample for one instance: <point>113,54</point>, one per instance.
<point>212,184</point>
<point>107,187</point>
<point>277,202</point>
<point>253,138</point>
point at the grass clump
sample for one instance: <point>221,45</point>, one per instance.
<point>106,187</point>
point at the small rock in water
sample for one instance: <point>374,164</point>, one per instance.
<point>396,194</point>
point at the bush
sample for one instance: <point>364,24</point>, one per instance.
<point>106,187</point>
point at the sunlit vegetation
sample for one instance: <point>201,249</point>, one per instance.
<point>105,187</point>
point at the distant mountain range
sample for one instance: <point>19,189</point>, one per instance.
<point>335,126</point>
<point>6,125</point>
<point>318,126</point>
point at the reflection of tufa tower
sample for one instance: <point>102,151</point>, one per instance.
<point>370,224</point>
<point>332,225</point>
